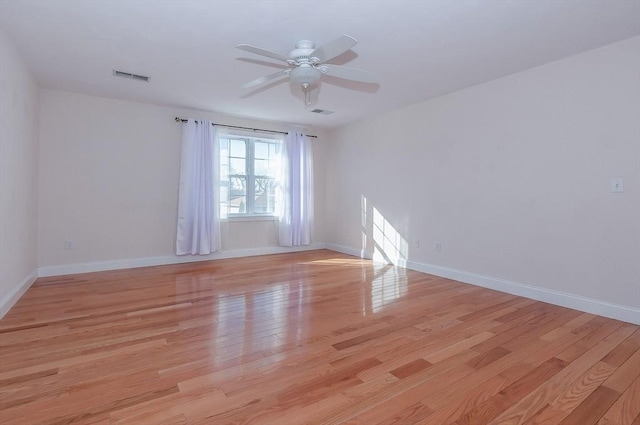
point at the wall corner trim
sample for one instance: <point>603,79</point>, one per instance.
<point>12,297</point>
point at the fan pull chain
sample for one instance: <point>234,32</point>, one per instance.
<point>307,95</point>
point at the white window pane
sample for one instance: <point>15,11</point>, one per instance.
<point>237,185</point>
<point>264,195</point>
<point>274,149</point>
<point>261,150</point>
<point>261,167</point>
<point>263,185</point>
<point>238,148</point>
<point>274,168</point>
<point>237,205</point>
<point>237,195</point>
<point>237,166</point>
<point>224,147</point>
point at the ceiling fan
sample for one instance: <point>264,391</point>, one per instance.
<point>307,64</point>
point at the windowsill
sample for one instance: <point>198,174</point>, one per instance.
<point>238,218</point>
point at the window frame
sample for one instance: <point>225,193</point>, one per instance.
<point>250,176</point>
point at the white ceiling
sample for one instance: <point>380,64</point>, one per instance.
<point>418,49</point>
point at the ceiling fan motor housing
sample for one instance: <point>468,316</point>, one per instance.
<point>302,51</point>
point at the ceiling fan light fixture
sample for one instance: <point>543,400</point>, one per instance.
<point>305,75</point>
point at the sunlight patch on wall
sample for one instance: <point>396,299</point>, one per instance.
<point>389,245</point>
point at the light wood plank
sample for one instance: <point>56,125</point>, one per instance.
<point>314,337</point>
<point>626,408</point>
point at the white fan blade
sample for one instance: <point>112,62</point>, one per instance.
<point>263,52</point>
<point>349,73</point>
<point>334,48</point>
<point>266,78</point>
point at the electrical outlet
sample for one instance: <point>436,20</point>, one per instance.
<point>617,185</point>
<point>68,244</point>
<point>438,246</point>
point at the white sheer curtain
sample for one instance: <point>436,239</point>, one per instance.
<point>296,206</point>
<point>198,198</point>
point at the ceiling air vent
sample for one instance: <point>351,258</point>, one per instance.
<point>322,111</point>
<point>131,76</point>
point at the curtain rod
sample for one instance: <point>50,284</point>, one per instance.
<point>247,128</point>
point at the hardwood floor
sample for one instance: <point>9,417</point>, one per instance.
<point>308,338</point>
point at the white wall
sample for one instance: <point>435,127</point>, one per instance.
<point>19,102</point>
<point>512,177</point>
<point>109,182</point>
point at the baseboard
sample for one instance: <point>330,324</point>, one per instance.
<point>349,251</point>
<point>12,297</point>
<point>577,302</point>
<point>161,261</point>
<point>563,299</point>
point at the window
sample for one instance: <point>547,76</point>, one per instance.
<point>249,168</point>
